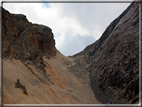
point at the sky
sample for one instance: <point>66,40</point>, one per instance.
<point>74,25</point>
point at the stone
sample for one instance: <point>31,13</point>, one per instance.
<point>21,36</point>
<point>110,66</point>
<point>19,85</point>
<point>24,90</point>
<point>112,61</point>
<point>48,77</point>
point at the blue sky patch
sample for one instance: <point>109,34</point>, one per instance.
<point>46,4</point>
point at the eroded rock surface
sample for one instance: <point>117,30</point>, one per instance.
<point>26,41</point>
<point>113,60</point>
<point>44,75</point>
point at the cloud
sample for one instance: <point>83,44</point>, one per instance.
<point>75,25</point>
<point>75,44</point>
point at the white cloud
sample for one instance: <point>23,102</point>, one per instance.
<point>60,40</point>
<point>71,23</point>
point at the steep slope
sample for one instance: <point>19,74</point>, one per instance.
<point>57,86</point>
<point>112,61</point>
<point>111,64</point>
<point>34,71</point>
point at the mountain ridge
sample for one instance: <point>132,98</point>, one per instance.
<point>45,75</point>
<point>105,72</point>
<point>112,61</point>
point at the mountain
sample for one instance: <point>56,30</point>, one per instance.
<point>34,71</point>
<point>113,60</point>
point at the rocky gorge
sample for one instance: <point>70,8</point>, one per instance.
<point>105,72</point>
<point>34,71</point>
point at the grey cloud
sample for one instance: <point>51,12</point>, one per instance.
<point>94,14</point>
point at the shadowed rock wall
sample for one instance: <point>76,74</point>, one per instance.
<point>113,60</point>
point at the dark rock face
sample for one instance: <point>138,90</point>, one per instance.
<point>26,41</point>
<point>113,60</point>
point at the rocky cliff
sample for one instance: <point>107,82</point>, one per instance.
<point>34,71</point>
<point>26,41</point>
<point>113,60</point>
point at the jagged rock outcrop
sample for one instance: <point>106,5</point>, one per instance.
<point>113,60</point>
<point>26,41</point>
<point>29,55</point>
